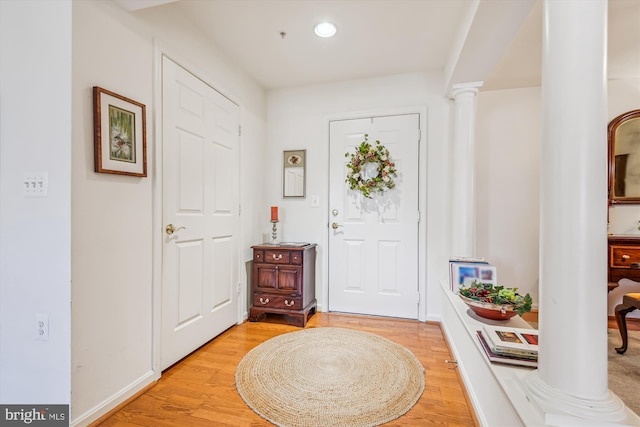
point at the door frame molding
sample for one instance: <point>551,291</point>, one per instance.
<point>422,111</point>
<point>159,51</point>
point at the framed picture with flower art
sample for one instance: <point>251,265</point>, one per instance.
<point>293,173</point>
<point>120,134</point>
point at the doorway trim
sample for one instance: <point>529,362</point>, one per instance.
<point>422,111</point>
<point>160,50</point>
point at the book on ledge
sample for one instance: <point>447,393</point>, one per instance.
<point>515,341</point>
<point>505,359</point>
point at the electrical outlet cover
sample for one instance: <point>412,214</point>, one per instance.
<point>42,327</point>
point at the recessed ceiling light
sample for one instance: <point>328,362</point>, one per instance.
<point>325,29</point>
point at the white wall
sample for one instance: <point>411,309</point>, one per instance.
<point>111,265</point>
<point>507,183</point>
<point>624,95</point>
<point>35,254</point>
<point>107,251</point>
<point>114,275</point>
<point>508,135</point>
<point>298,119</point>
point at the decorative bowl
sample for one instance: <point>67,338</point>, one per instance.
<point>489,310</point>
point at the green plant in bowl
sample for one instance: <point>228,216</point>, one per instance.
<point>497,295</point>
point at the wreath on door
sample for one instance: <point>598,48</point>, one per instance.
<point>370,168</point>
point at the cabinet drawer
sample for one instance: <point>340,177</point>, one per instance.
<point>276,257</point>
<point>623,256</point>
<point>296,257</point>
<point>277,301</point>
<point>258,256</point>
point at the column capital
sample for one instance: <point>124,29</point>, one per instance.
<point>464,88</point>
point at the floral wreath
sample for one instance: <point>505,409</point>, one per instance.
<point>367,153</point>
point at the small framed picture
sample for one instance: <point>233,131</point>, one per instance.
<point>463,274</point>
<point>293,173</point>
<point>120,134</point>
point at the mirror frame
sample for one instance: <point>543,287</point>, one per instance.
<point>611,135</point>
<point>301,156</point>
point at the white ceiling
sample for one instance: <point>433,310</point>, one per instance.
<point>521,65</point>
<point>374,38</point>
<point>379,37</point>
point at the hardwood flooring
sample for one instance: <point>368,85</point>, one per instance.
<point>632,324</point>
<point>200,389</point>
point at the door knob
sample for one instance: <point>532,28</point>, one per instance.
<point>170,229</point>
<point>335,225</point>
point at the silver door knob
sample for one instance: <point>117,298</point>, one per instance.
<point>335,225</point>
<point>170,229</point>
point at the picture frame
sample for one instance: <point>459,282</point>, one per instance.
<point>463,274</point>
<point>293,173</point>
<point>120,134</point>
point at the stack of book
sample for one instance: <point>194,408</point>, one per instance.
<point>513,346</point>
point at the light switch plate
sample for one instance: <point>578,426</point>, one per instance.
<point>36,184</point>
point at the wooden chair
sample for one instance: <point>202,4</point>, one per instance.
<point>630,302</point>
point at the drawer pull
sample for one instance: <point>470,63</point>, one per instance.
<point>288,304</point>
<point>264,301</point>
<point>277,257</point>
<point>626,257</point>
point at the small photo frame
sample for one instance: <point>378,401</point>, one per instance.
<point>463,274</point>
<point>293,173</point>
<point>120,134</point>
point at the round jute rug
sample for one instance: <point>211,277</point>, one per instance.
<point>329,377</point>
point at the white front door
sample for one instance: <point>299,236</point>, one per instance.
<point>200,163</point>
<point>373,252</point>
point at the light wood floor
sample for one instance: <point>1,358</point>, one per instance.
<point>632,324</point>
<point>200,389</point>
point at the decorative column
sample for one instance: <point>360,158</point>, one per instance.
<point>570,385</point>
<point>463,210</point>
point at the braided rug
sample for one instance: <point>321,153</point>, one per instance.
<point>329,377</point>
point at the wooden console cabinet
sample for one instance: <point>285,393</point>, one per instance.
<point>284,282</point>
<point>624,258</point>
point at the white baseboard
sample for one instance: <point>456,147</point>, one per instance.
<point>109,404</point>
<point>432,318</point>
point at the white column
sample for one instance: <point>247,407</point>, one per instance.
<point>462,170</point>
<point>570,384</point>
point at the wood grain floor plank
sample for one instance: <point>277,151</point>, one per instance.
<point>200,389</point>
